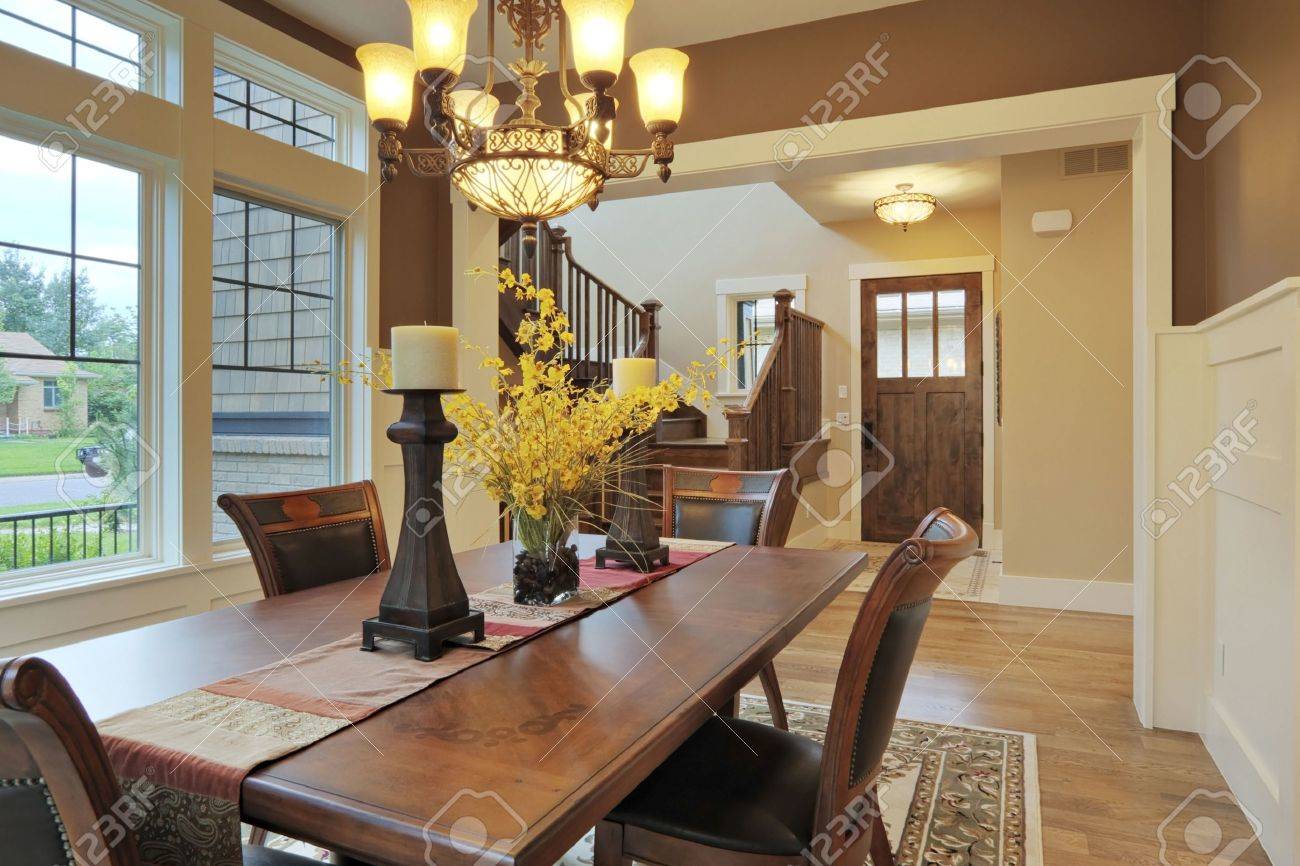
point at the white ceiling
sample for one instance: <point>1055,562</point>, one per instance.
<point>842,197</point>
<point>652,23</point>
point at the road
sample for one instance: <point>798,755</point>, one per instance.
<point>45,489</point>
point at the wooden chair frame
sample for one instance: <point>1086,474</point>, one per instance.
<point>304,513</point>
<point>778,501</point>
<point>909,577</point>
<point>40,713</point>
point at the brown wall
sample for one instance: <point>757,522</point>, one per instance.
<point>1235,212</point>
<point>1252,212</point>
<point>944,52</point>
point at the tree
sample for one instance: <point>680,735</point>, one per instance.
<point>69,408</point>
<point>8,385</point>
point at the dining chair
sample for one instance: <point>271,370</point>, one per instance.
<point>741,507</point>
<point>300,539</point>
<point>60,802</point>
<point>306,538</point>
<point>739,793</point>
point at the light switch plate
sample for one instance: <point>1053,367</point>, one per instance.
<point>842,418</point>
<point>844,392</point>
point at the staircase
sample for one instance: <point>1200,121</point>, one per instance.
<point>780,420</point>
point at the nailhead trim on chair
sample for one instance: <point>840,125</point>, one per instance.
<point>39,782</point>
<point>762,512</point>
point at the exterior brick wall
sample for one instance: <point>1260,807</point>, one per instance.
<point>264,464</point>
<point>29,405</point>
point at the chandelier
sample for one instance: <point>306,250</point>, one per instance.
<point>905,207</point>
<point>524,169</point>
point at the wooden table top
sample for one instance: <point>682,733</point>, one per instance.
<point>533,747</point>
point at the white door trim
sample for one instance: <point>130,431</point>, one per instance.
<point>985,266</point>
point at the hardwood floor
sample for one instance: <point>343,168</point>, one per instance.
<point>1106,782</point>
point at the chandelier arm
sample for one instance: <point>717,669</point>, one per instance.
<point>428,161</point>
<point>564,67</point>
<point>628,163</point>
<point>491,49</point>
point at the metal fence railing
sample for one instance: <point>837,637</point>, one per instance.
<point>68,535</point>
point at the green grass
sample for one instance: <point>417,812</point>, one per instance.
<point>64,542</point>
<point>37,456</point>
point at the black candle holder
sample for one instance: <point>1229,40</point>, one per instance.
<point>632,537</point>
<point>425,603</point>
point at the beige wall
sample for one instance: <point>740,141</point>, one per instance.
<point>1067,423</point>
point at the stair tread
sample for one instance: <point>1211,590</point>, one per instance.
<point>694,443</point>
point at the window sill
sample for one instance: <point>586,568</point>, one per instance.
<point>37,587</point>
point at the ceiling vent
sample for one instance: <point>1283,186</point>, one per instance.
<point>1104,159</point>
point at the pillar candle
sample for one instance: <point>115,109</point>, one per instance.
<point>426,357</point>
<point>633,373</point>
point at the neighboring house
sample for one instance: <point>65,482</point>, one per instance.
<point>37,400</point>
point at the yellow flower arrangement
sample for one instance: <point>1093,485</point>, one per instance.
<point>551,447</point>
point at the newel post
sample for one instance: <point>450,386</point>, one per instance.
<point>737,438</point>
<point>785,370</point>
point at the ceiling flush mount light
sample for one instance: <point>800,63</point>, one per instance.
<point>525,169</point>
<point>905,207</point>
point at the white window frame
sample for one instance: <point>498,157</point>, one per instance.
<point>161,30</point>
<point>158,418</point>
<point>731,292</point>
<point>351,131</point>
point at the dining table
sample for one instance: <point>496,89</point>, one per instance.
<point>526,751</point>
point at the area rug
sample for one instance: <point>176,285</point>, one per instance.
<point>974,580</point>
<point>956,796</point>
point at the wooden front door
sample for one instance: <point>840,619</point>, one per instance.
<point>922,401</point>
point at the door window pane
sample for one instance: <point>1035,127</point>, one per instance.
<point>952,333</point>
<point>889,336</point>
<point>273,330</point>
<point>68,372</point>
<point>920,334</point>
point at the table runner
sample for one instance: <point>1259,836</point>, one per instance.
<point>193,751</point>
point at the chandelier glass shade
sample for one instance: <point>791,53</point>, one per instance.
<point>522,168</point>
<point>905,207</point>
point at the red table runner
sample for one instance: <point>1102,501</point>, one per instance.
<point>193,751</point>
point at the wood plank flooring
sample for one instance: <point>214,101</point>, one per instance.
<point>1106,782</point>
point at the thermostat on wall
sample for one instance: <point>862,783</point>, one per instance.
<point>1050,223</point>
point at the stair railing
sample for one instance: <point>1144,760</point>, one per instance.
<point>606,324</point>
<point>784,407</point>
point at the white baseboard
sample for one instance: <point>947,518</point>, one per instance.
<point>1250,779</point>
<point>1056,593</point>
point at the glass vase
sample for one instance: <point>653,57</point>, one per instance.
<point>546,558</point>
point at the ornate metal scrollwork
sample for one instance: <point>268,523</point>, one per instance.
<point>623,164</point>
<point>530,19</point>
<point>429,161</point>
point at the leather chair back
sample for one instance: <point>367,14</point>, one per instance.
<point>879,657</point>
<point>306,538</point>
<point>718,505</point>
<point>60,803</point>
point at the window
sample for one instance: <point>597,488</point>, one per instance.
<point>248,104</point>
<point>273,330</point>
<point>69,313</point>
<point>74,37</point>
<point>934,327</point>
<point>756,328</point>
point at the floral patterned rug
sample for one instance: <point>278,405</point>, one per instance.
<point>952,796</point>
